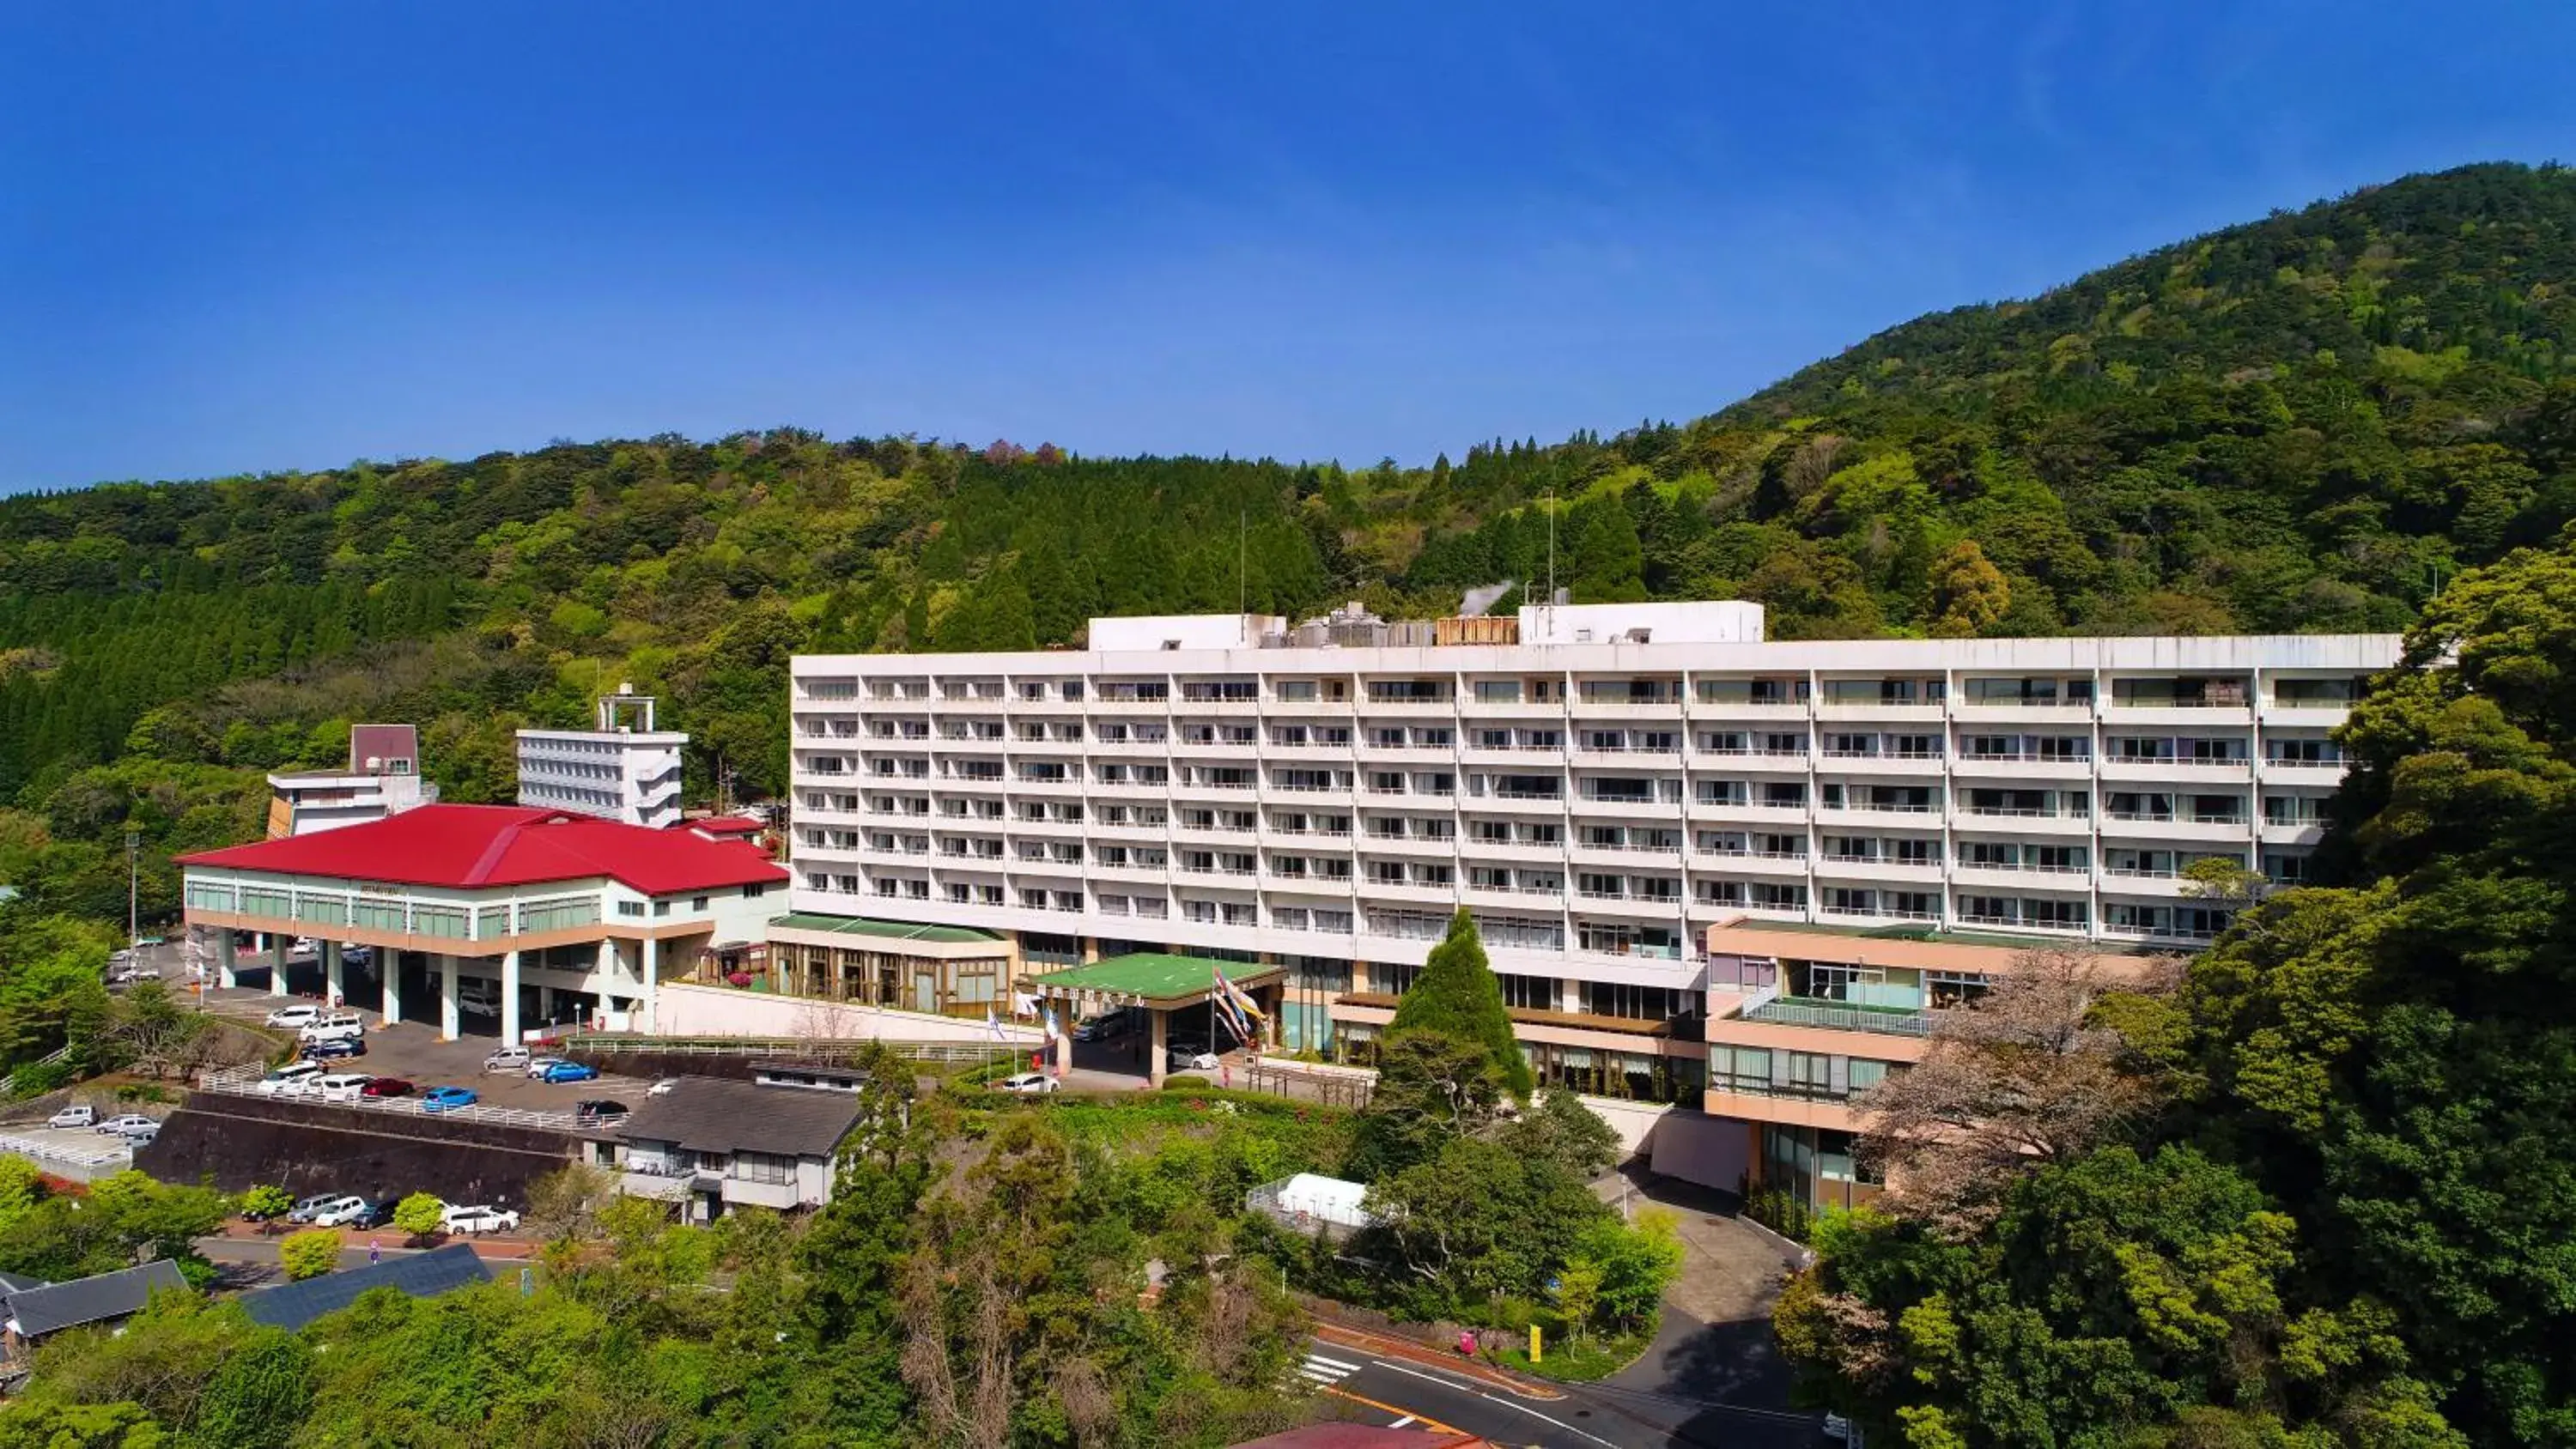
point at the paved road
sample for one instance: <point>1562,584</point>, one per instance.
<point>1385,1390</point>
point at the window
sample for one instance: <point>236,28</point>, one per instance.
<point>755,890</point>
<point>630,908</point>
<point>661,908</point>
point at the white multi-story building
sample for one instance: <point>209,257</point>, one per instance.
<point>383,778</point>
<point>623,770</point>
<point>1598,794</point>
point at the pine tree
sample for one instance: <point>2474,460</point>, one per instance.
<point>1457,995</point>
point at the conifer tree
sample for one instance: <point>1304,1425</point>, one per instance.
<point>1458,996</point>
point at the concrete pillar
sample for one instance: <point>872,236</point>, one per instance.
<point>389,970</point>
<point>224,959</point>
<point>277,965</point>
<point>451,1006</point>
<point>1064,1025</point>
<point>546,1002</point>
<point>510,1033</point>
<point>1155,1047</point>
<point>610,968</point>
<point>651,972</point>
<point>332,975</point>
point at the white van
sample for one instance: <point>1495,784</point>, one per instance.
<point>479,997</point>
<point>292,1080</point>
<point>507,1059</point>
<point>341,1086</point>
<point>296,1015</point>
<point>79,1114</point>
<point>332,1026</point>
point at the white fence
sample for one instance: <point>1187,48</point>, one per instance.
<point>61,1152</point>
<point>797,1049</point>
<point>244,1082</point>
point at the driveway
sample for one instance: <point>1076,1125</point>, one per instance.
<point>1715,1346</point>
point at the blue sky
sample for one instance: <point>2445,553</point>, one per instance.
<point>250,237</point>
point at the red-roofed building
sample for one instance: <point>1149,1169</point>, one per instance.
<point>488,902</point>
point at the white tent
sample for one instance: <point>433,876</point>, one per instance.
<point>1325,1199</point>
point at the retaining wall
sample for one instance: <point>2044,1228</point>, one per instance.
<point>238,1142</point>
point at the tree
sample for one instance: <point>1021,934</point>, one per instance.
<point>1560,1129</point>
<point>1431,1087</point>
<point>1477,1222</point>
<point>309,1254</point>
<point>1632,1264</point>
<point>419,1215</point>
<point>1458,995</point>
<point>1967,595</point>
<point>267,1203</point>
<point>568,1201</point>
<point>2020,1077</point>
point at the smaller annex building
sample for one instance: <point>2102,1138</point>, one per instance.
<point>509,911</point>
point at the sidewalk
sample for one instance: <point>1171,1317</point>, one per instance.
<point>1413,1351</point>
<point>389,1240</point>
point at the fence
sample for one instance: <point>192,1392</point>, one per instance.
<point>797,1048</point>
<point>244,1082</point>
<point>61,1152</point>
<point>1308,1082</point>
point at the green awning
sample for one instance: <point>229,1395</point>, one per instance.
<point>894,930</point>
<point>1156,977</point>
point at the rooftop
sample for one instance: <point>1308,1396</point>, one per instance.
<point>421,1275</point>
<point>466,847</point>
<point>713,1114</point>
<point>866,926</point>
<point>57,1306</point>
<point>1157,976</point>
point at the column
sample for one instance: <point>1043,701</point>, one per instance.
<point>277,965</point>
<point>1155,1047</point>
<point>451,1016</point>
<point>1278,998</point>
<point>1064,1038</point>
<point>224,959</point>
<point>510,1033</point>
<point>546,1002</point>
<point>651,972</point>
<point>389,970</point>
<point>331,973</point>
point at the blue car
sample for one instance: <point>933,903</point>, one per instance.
<point>446,1099</point>
<point>570,1072</point>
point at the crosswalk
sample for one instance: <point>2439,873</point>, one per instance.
<point>1326,1371</point>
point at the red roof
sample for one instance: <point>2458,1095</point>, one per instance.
<point>466,847</point>
<point>723,825</point>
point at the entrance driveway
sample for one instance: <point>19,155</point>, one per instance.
<point>1715,1345</point>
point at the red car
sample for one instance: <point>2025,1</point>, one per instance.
<point>386,1087</point>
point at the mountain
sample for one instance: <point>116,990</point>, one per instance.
<point>2306,422</point>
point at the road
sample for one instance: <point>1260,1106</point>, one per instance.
<point>1383,1390</point>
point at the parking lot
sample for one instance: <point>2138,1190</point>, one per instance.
<point>414,1053</point>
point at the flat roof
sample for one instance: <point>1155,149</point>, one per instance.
<point>867,926</point>
<point>1158,976</point>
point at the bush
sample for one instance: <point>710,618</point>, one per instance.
<point>1185,1082</point>
<point>142,1092</point>
<point>419,1215</point>
<point>309,1254</point>
<point>35,1079</point>
<point>1782,1213</point>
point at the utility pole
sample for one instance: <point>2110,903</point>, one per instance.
<point>133,919</point>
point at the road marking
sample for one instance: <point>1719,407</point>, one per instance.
<point>1491,1399</point>
<point>1434,1425</point>
<point>1400,1423</point>
<point>1326,1371</point>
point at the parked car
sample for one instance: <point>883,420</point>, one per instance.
<point>1192,1058</point>
<point>1028,1083</point>
<point>297,1015</point>
<point>304,950</point>
<point>334,1048</point>
<point>253,1216</point>
<point>479,998</point>
<point>478,1219</point>
<point>570,1072</point>
<point>306,1207</point>
<point>599,1112</point>
<point>129,1124</point>
<point>377,1215</point>
<point>446,1099</point>
<point>130,973</point>
<point>341,1086</point>
<point>79,1115</point>
<point>537,1067</point>
<point>288,1080</point>
<point>138,1136</point>
<point>385,1087</point>
<point>333,1026</point>
<point>507,1059</point>
<point>339,1212</point>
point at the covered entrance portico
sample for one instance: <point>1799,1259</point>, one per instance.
<point>1162,985</point>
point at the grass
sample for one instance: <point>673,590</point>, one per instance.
<point>1583,1361</point>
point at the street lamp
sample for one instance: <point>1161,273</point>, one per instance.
<point>133,921</point>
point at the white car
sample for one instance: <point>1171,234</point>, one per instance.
<point>663,1088</point>
<point>82,1115</point>
<point>1191,1059</point>
<point>298,1015</point>
<point>339,1212</point>
<point>341,1086</point>
<point>292,1080</point>
<point>478,1219</point>
<point>486,1002</point>
<point>1028,1083</point>
<point>129,1124</point>
<point>333,1026</point>
<point>306,1207</point>
<point>537,1065</point>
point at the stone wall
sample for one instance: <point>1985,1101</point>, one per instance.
<point>238,1142</point>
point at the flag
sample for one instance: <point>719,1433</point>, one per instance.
<point>993,1024</point>
<point>1050,1023</point>
<point>1240,999</point>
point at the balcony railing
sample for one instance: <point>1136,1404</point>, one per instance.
<point>1842,1016</point>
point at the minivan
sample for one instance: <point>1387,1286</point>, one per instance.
<point>296,1015</point>
<point>507,1059</point>
<point>81,1115</point>
<point>480,998</point>
<point>290,1080</point>
<point>342,1086</point>
<point>333,1026</point>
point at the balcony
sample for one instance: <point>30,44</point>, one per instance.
<point>1841,1016</point>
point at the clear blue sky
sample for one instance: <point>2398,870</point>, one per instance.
<point>247,236</point>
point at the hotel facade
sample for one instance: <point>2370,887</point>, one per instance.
<point>1668,829</point>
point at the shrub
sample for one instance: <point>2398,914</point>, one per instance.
<point>419,1215</point>
<point>1782,1213</point>
<point>1185,1083</point>
<point>309,1254</point>
<point>37,1078</point>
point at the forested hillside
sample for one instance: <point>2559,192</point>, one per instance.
<point>2303,423</point>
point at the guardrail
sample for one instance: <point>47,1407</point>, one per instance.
<point>1807,1011</point>
<point>797,1048</point>
<point>244,1082</point>
<point>58,1152</point>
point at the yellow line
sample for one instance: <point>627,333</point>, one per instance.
<point>1417,1416</point>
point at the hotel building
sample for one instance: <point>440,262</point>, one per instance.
<point>624,770</point>
<point>1602,786</point>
